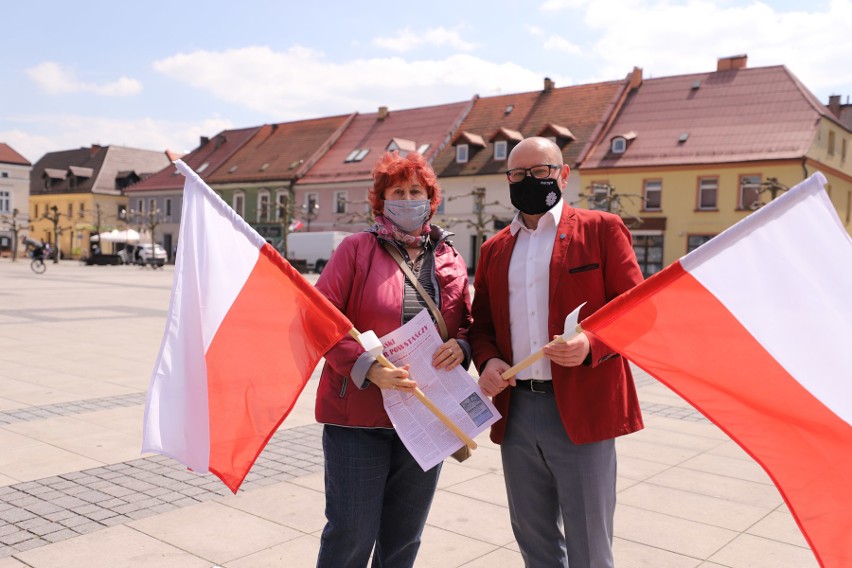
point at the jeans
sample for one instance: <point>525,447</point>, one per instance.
<point>376,495</point>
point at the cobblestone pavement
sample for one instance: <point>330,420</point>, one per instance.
<point>48,510</point>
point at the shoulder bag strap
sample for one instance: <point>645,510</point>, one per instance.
<point>436,313</point>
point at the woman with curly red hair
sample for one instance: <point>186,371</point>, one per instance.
<point>377,496</point>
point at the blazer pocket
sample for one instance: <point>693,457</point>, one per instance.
<point>584,268</point>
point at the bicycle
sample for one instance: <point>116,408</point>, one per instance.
<point>38,266</point>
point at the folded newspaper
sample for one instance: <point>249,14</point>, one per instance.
<point>454,392</point>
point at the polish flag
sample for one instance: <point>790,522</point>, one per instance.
<point>754,329</point>
<point>243,334</point>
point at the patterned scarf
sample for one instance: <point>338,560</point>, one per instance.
<point>390,232</point>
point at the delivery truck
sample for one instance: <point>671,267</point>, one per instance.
<point>314,249</point>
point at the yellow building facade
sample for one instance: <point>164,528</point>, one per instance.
<point>77,215</point>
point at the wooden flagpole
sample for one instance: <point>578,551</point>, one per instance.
<point>421,396</point>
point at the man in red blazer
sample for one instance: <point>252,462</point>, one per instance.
<point>560,415</point>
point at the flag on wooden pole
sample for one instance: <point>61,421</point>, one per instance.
<point>754,329</point>
<point>243,334</point>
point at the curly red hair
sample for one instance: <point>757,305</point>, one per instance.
<point>392,169</point>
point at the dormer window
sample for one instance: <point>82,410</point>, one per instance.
<point>618,144</point>
<point>462,151</point>
<point>501,149</point>
<point>467,145</point>
<point>401,145</point>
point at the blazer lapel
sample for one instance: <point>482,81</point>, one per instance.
<point>564,235</point>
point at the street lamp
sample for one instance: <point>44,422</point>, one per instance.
<point>311,210</point>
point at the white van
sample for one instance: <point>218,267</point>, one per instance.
<point>313,248</point>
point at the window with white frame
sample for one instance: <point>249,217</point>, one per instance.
<point>618,145</point>
<point>70,210</point>
<point>341,198</point>
<point>82,212</point>
<point>238,203</point>
<point>708,190</point>
<point>831,142</point>
<point>168,207</point>
<point>6,202</point>
<point>140,204</point>
<point>653,194</point>
<point>152,206</point>
<point>462,153</point>
<point>501,149</point>
<point>263,207</point>
<point>749,192</point>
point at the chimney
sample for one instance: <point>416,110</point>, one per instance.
<point>732,62</point>
<point>548,84</point>
<point>94,149</point>
<point>383,113</point>
<point>635,78</point>
<point>834,105</point>
<point>204,140</point>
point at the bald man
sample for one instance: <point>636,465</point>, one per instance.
<point>561,415</point>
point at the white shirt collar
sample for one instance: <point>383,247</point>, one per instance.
<point>554,214</point>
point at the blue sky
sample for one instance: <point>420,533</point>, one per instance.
<point>158,75</point>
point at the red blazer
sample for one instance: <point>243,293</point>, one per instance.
<point>593,262</point>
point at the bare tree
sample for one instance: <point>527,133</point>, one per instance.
<point>481,218</point>
<point>770,185</point>
<point>57,230</point>
<point>604,197</point>
<point>16,227</point>
<point>363,213</point>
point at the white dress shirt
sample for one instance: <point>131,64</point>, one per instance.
<point>529,290</point>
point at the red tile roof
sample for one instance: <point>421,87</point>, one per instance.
<point>9,156</point>
<point>577,110</point>
<point>725,116</point>
<point>368,132</point>
<point>213,152</point>
<point>279,152</point>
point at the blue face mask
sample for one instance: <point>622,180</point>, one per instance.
<point>407,214</point>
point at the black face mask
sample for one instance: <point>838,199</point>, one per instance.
<point>535,196</point>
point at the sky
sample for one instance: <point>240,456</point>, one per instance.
<point>158,75</point>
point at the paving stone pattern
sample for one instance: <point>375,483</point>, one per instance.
<point>48,510</point>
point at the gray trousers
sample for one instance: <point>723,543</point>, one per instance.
<point>561,495</point>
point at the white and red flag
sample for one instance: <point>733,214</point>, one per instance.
<point>754,329</point>
<point>244,332</point>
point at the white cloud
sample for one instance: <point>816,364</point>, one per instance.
<point>557,5</point>
<point>671,37</point>
<point>301,82</point>
<point>558,43</point>
<point>57,80</point>
<point>406,40</point>
<point>40,134</point>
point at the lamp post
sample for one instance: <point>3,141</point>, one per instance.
<point>311,210</point>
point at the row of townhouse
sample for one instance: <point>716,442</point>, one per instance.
<point>681,158</point>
